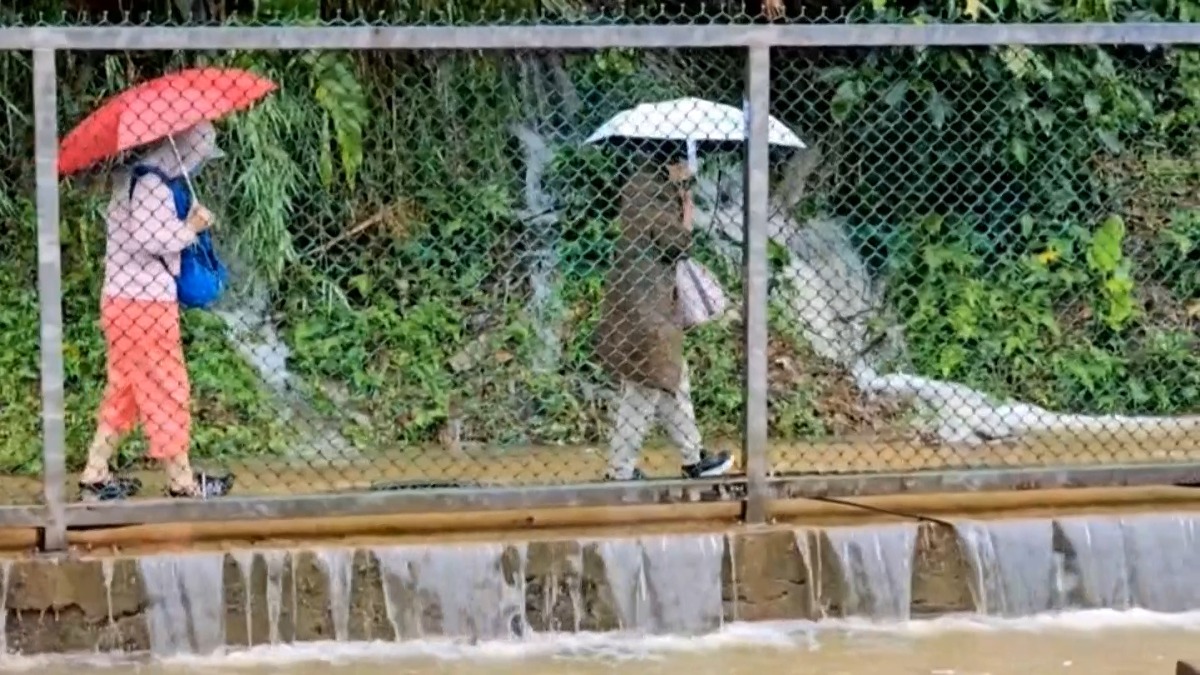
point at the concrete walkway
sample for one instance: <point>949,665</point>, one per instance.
<point>559,465</point>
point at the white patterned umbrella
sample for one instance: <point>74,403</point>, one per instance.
<point>690,120</point>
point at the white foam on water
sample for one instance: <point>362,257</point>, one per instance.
<point>782,635</point>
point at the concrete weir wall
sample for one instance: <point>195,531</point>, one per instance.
<point>677,582</point>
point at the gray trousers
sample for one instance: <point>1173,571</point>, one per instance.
<point>636,407</point>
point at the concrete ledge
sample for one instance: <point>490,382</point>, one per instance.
<point>272,582</point>
<point>104,603</point>
<point>617,520</point>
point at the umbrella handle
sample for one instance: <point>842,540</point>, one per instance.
<point>182,168</point>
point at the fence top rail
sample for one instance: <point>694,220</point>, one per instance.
<point>591,37</point>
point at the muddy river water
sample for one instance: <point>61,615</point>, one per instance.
<point>1091,642</point>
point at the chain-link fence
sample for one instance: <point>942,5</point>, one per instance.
<point>988,259</point>
<point>20,392</point>
<point>429,276</point>
<point>453,273</point>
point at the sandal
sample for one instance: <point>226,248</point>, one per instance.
<point>206,486</point>
<point>110,489</point>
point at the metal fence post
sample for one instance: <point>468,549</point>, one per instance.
<point>54,437</point>
<point>756,272</point>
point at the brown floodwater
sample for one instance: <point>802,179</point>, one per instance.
<point>1104,642</point>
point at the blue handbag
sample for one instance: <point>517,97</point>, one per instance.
<point>202,276</point>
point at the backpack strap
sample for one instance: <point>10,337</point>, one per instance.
<point>178,186</point>
<point>179,191</point>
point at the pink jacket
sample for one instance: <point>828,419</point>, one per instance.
<point>145,235</point>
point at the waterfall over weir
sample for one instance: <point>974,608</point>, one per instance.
<point>453,591</point>
<point>187,602</point>
<point>874,567</point>
<point>672,583</point>
<point>1145,561</point>
<point>1150,561</point>
<point>1014,565</point>
<point>666,584</point>
<point>660,584</point>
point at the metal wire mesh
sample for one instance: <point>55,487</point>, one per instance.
<point>509,13</point>
<point>980,258</point>
<point>520,13</point>
<point>20,459</point>
<point>987,259</point>
<point>424,279</point>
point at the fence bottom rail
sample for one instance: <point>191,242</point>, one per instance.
<point>674,497</point>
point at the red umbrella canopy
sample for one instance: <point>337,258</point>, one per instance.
<point>156,109</point>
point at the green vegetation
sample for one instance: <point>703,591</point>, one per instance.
<point>1034,214</point>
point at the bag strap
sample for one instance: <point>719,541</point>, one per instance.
<point>141,171</point>
<point>180,191</point>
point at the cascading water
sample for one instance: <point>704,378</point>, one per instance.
<point>5,571</point>
<point>1100,564</point>
<point>1163,551</point>
<point>1016,571</point>
<point>877,569</point>
<point>545,307</point>
<point>455,591</point>
<point>186,595</point>
<point>245,564</point>
<point>814,569</point>
<point>653,584</point>
<point>669,583</point>
<point>254,334</point>
<point>1146,561</point>
<point>339,570</point>
<point>276,562</point>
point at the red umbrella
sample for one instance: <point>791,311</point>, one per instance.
<point>156,109</point>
